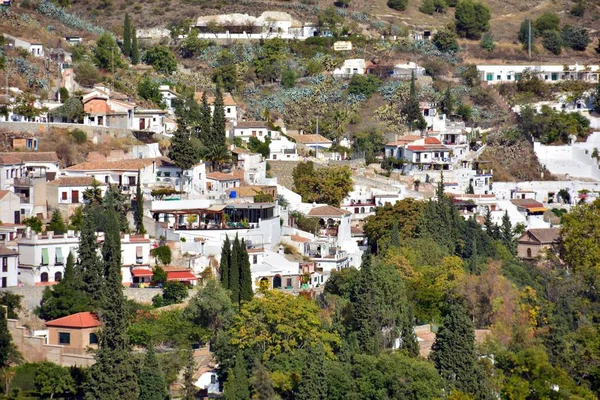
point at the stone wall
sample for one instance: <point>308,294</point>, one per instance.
<point>40,128</point>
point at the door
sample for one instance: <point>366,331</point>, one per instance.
<point>75,196</point>
<point>142,124</point>
<point>277,282</point>
<point>17,217</point>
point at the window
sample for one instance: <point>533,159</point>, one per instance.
<point>545,77</point>
<point>508,77</point>
<point>45,257</point>
<point>554,77</point>
<point>64,338</point>
<point>93,338</point>
<point>254,259</point>
<point>4,282</point>
<point>288,282</point>
<point>57,276</point>
<point>228,111</point>
<point>64,195</point>
<point>44,277</point>
<point>253,133</point>
<point>4,264</point>
<point>213,379</point>
<point>489,77</point>
<point>131,180</point>
<point>498,78</point>
<point>274,156</point>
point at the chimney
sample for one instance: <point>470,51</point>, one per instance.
<point>50,234</point>
<point>71,233</point>
<point>281,250</point>
<point>126,237</point>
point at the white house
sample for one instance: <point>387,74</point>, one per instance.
<point>42,257</point>
<point>122,173</point>
<point>135,258</point>
<point>66,192</point>
<point>283,149</point>
<point>493,74</point>
<point>168,95</point>
<point>405,70</point>
<point>36,49</point>
<point>247,129</point>
<point>10,207</point>
<point>427,152</point>
<point>151,120</point>
<point>275,270</point>
<point>313,142</point>
<point>209,381</point>
<point>9,259</point>
<point>38,163</point>
<point>352,66</point>
<point>217,183</point>
<point>253,166</point>
<point>362,201</point>
<point>169,175</point>
<point>11,168</point>
<point>101,109</point>
<point>228,102</point>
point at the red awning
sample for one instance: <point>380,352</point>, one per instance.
<point>181,276</point>
<point>142,272</point>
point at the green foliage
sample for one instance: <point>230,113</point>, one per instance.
<point>268,63</point>
<point>162,59</point>
<point>548,21</point>
<point>92,270</point>
<point>34,223</point>
<point>263,198</point>
<point>445,40</point>
<point>398,5</point>
<point>552,41</point>
<point>192,45</point>
<point>312,384</point>
<point>86,73</point>
<point>288,78</point>
<point>151,380</point>
<point>57,225</point>
<point>261,147</point>
<point>551,126</point>
<point>464,111</point>
<point>162,254</point>
<point>236,386</point>
<point>6,345</point>
<point>167,328</point>
<point>412,111</point>
<point>174,292</point>
<point>149,90</point>
<point>329,20</point>
<point>210,308</point>
<point>217,136</point>
<point>159,275</point>
<point>138,217</point>
<point>472,19</point>
<point>575,37</point>
<point>71,109</point>
<point>365,85</point>
<point>524,32</point>
<point>323,185</point>
<point>596,99</point>
<point>12,303</point>
<point>578,10</point>
<point>64,94</point>
<point>427,7</point>
<point>487,42</point>
<point>107,54</point>
<point>135,52</point>
<point>182,150</point>
<point>262,386</point>
<point>52,379</point>
<point>79,136</point>
<point>126,36</point>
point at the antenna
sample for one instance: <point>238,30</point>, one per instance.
<point>529,38</point>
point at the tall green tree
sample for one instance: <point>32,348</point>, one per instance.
<point>8,352</point>
<point>67,297</point>
<point>225,264</point>
<point>472,19</point>
<point>237,386</point>
<point>57,224</point>
<point>189,389</point>
<point>107,54</point>
<point>139,207</point>
<point>135,51</point>
<point>506,233</point>
<point>218,118</point>
<point>126,36</point>
<point>312,385</point>
<point>262,386</point>
<point>51,379</point>
<point>453,351</point>
<point>234,271</point>
<point>211,308</point>
<point>89,263</point>
<point>182,151</point>
<point>205,123</point>
<point>411,109</point>
<point>162,59</point>
<point>246,291</point>
<point>113,375</point>
<point>395,235</point>
<point>150,379</point>
<point>408,338</point>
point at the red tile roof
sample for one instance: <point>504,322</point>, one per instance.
<point>121,165</point>
<point>220,176</point>
<point>432,140</point>
<point>298,238</point>
<point>328,211</point>
<point>34,156</point>
<point>310,138</point>
<point>79,321</point>
<point>181,276</point>
<point>75,181</point>
<point>142,272</point>
<point>404,140</point>
<point>8,159</point>
<point>3,193</point>
<point>227,99</point>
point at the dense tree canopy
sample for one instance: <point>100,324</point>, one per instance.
<point>472,19</point>
<point>322,185</point>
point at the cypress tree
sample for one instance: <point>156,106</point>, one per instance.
<point>409,340</point>
<point>453,351</point>
<point>135,52</point>
<point>218,118</point>
<point>182,151</point>
<point>395,238</point>
<point>151,380</point>
<point>127,36</point>
<point>237,387</point>
<point>234,271</point>
<point>189,389</point>
<point>205,122</point>
<point>139,207</point>
<point>90,266</point>
<point>225,264</point>
<point>313,386</point>
<point>113,375</point>
<point>115,199</point>
<point>411,109</point>
<point>262,386</point>
<point>57,224</point>
<point>6,345</point>
<point>246,292</point>
<point>506,233</point>
<point>365,316</point>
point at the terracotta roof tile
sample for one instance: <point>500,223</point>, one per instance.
<point>220,176</point>
<point>35,156</point>
<point>328,211</point>
<point>121,165</point>
<point>404,140</point>
<point>227,99</point>
<point>5,158</point>
<point>251,124</point>
<point>5,251</point>
<point>544,235</point>
<point>3,193</point>
<point>181,276</point>
<point>309,138</point>
<point>298,238</point>
<point>75,181</point>
<point>80,320</point>
<point>432,140</point>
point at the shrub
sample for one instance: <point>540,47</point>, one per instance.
<point>552,42</point>
<point>578,10</point>
<point>174,292</point>
<point>162,254</point>
<point>472,19</point>
<point>86,73</point>
<point>427,7</point>
<point>288,79</point>
<point>79,136</point>
<point>445,40</point>
<point>524,32</point>
<point>548,21</point>
<point>575,37</point>
<point>487,42</point>
<point>363,84</point>
<point>399,5</point>
<point>162,59</point>
<point>465,112</point>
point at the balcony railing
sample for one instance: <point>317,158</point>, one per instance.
<point>24,181</point>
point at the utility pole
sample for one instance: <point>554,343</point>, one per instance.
<point>529,38</point>
<point>59,80</point>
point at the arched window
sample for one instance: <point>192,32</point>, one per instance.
<point>44,277</point>
<point>528,252</point>
<point>277,282</point>
<point>58,276</point>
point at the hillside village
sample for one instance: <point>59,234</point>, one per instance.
<point>299,200</point>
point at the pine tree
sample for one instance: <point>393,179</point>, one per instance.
<point>127,36</point>
<point>246,292</point>
<point>490,227</point>
<point>453,351</point>
<point>411,109</point>
<point>89,264</point>
<point>262,386</point>
<point>117,200</point>
<point>225,264</point>
<point>234,271</point>
<point>189,389</point>
<point>218,119</point>
<point>113,374</point>
<point>395,235</point>
<point>205,122</point>
<point>410,344</point>
<point>182,151</point>
<point>506,233</point>
<point>151,380</point>
<point>135,52</point>
<point>365,310</point>
<point>57,224</point>
<point>237,387</point>
<point>139,207</point>
<point>313,386</point>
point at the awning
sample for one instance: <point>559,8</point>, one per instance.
<point>142,272</point>
<point>139,251</point>
<point>59,255</point>
<point>217,207</point>
<point>181,276</point>
<point>537,209</point>
<point>45,257</point>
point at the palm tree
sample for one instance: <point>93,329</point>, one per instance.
<point>217,155</point>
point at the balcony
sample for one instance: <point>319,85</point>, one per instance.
<point>289,151</point>
<point>24,181</point>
